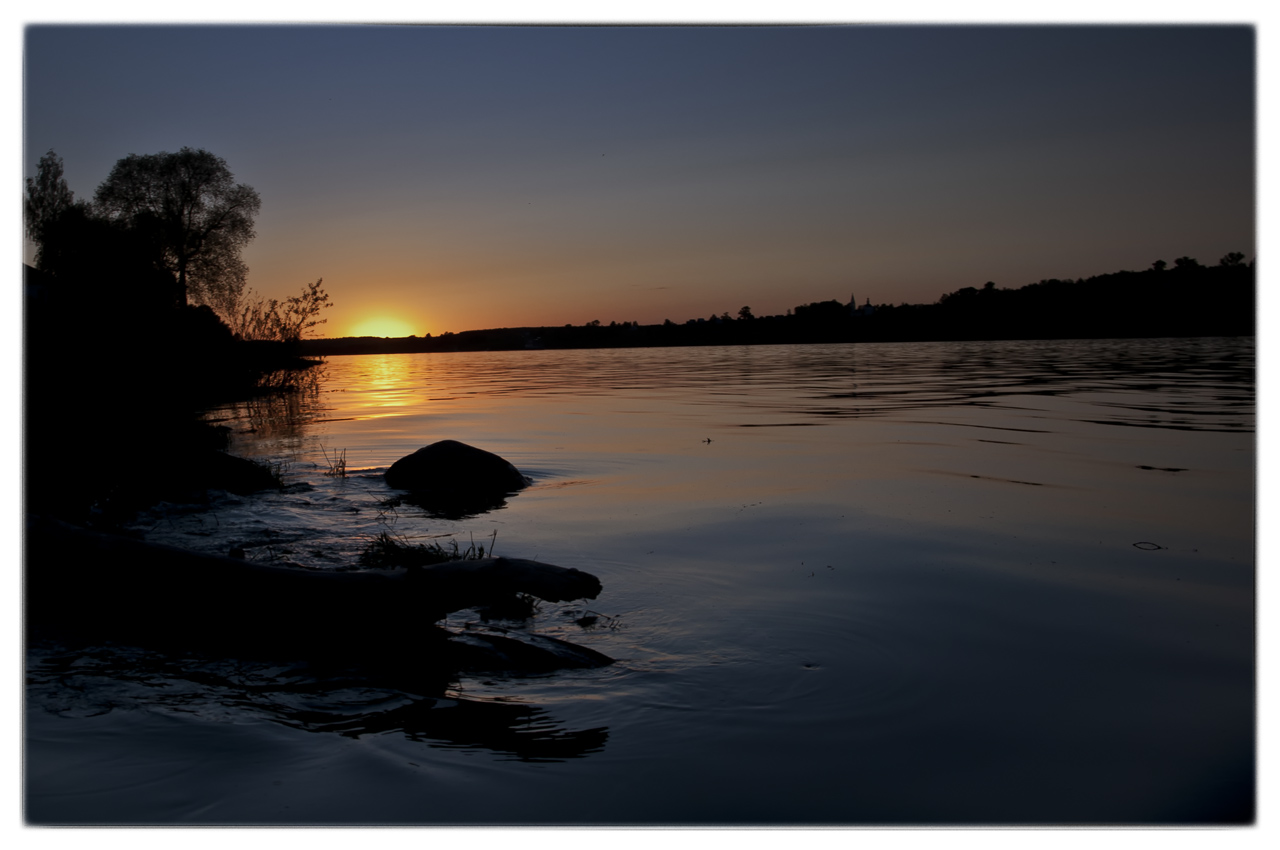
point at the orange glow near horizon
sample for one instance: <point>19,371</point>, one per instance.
<point>382,326</point>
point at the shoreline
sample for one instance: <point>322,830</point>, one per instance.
<point>511,339</point>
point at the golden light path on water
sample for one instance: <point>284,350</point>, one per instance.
<point>385,389</point>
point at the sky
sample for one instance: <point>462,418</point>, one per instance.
<point>448,178</point>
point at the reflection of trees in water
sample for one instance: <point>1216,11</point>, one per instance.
<point>83,681</point>
<point>288,400</point>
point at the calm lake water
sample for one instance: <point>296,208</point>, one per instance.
<point>1005,582</point>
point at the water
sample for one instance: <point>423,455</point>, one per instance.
<point>1006,582</point>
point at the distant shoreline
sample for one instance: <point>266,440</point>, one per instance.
<point>1188,300</point>
<point>496,339</point>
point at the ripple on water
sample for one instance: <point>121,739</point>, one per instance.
<point>711,647</point>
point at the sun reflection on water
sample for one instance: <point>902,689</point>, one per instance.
<point>382,387</point>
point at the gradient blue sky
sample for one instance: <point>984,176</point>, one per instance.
<point>450,178</point>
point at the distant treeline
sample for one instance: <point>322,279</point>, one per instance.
<point>1187,299</point>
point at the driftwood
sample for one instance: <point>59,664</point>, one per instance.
<point>119,588</point>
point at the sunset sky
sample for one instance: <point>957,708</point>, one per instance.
<point>453,178</point>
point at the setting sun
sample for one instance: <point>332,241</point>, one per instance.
<point>382,326</point>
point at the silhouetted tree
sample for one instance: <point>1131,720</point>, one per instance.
<point>98,265</point>
<point>48,199</point>
<point>1235,258</point>
<point>1159,265</point>
<point>745,313</point>
<point>196,218</point>
<point>100,269</point>
<point>1186,263</point>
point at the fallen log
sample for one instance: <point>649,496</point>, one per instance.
<point>120,588</point>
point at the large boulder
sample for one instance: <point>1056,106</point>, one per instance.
<point>450,470</point>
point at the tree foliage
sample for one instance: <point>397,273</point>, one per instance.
<point>188,208</point>
<point>287,321</point>
<point>48,198</point>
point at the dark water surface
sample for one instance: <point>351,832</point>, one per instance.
<point>1007,582</point>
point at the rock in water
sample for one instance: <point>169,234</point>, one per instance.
<point>450,469</point>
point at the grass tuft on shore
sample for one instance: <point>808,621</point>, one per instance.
<point>389,551</point>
